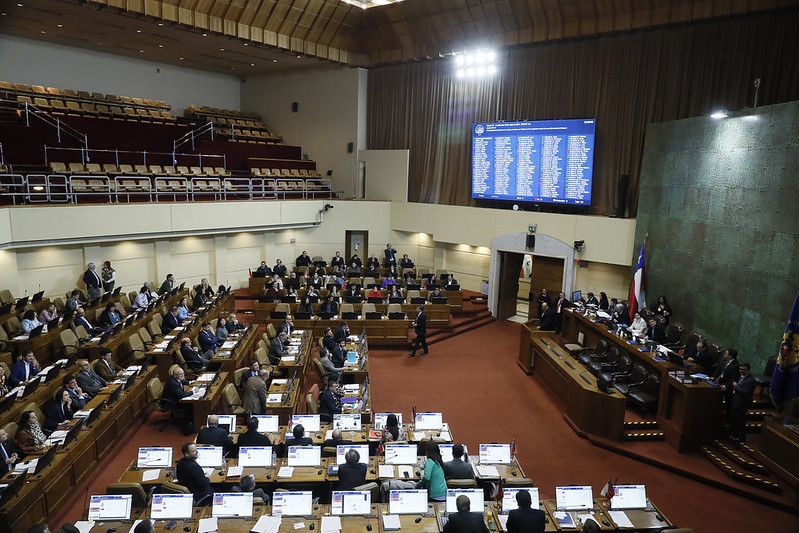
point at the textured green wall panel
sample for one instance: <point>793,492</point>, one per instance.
<point>720,202</point>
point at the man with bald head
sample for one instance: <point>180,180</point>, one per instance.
<point>213,435</point>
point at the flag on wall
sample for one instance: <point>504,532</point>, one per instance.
<point>785,380</point>
<point>637,294</point>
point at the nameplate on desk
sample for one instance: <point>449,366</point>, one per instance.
<point>274,398</point>
<point>280,381</point>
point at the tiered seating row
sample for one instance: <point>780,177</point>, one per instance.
<point>205,111</point>
<point>285,173</point>
<point>38,91</point>
<point>58,106</point>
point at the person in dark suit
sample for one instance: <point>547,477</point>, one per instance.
<point>251,437</point>
<point>339,354</point>
<point>299,437</point>
<point>191,475</point>
<point>548,320</point>
<point>560,305</point>
<point>278,348</point>
<point>214,435</point>
<point>458,468</point>
<point>81,320</point>
<point>726,373</point>
<point>742,392</point>
<point>373,262</point>
<point>88,380</point>
<point>173,388</point>
<point>279,268</point>
<point>92,281</point>
<point>450,280</point>
<point>336,439</point>
<point>390,256</point>
<point>337,262</point>
<point>60,413</point>
<point>192,356</point>
<point>9,455</point>
<point>23,370</point>
<point>420,328</point>
<point>263,270</point>
<point>167,285</point>
<point>655,331</point>
<point>288,324</point>
<point>110,316</point>
<point>352,473</point>
<point>329,306</point>
<point>544,298</point>
<point>253,397</point>
<point>406,262</point>
<point>328,340</point>
<point>303,260</point>
<point>343,331</point>
<point>525,519</point>
<point>105,366</point>
<point>79,398</point>
<point>464,521</point>
<point>592,300</point>
<point>701,356</point>
<point>252,371</point>
<point>622,316</point>
<point>207,340</point>
<point>328,403</point>
<point>171,320</point>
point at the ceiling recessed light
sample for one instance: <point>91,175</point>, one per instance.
<point>245,44</point>
<point>160,23</point>
<point>60,25</point>
<point>160,46</point>
<point>232,68</point>
<point>141,51</point>
<point>205,35</point>
<point>299,56</point>
<point>252,64</point>
<point>221,49</point>
<point>181,58</point>
<point>19,5</point>
<point>138,31</point>
<point>44,31</point>
<point>274,61</point>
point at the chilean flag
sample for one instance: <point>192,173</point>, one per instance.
<point>637,291</point>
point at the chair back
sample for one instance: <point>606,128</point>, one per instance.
<point>602,347</point>
<point>4,368</point>
<point>674,333</point>
<point>154,390</point>
<point>11,429</point>
<point>283,307</point>
<point>33,406</point>
<point>692,339</point>
<point>6,297</point>
<point>238,373</point>
<point>652,384</point>
<point>262,356</point>
<point>153,328</point>
<point>461,484</point>
<point>638,375</point>
<point>413,294</point>
<point>80,331</point>
<point>624,366</point>
<point>12,325</point>
<point>319,368</point>
<point>311,405</point>
<point>368,280</point>
<point>519,482</point>
<point>145,336</point>
<point>270,331</point>
<point>174,488</point>
<point>347,308</point>
<point>231,396</point>
<point>314,392</point>
<point>395,308</point>
<point>139,499</point>
<point>372,487</point>
<point>367,308</point>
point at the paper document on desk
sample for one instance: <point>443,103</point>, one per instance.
<point>267,524</point>
<point>621,518</point>
<point>288,358</point>
<point>84,526</point>
<point>331,524</point>
<point>169,337</point>
<point>385,471</point>
<point>503,521</point>
<point>564,519</point>
<point>404,472</point>
<point>179,328</point>
<point>228,345</point>
<point>207,525</point>
<point>208,471</point>
<point>26,466</point>
<point>586,517</point>
<point>235,471</point>
<point>351,388</point>
<point>274,397</point>
<point>391,522</point>
<point>487,471</point>
<point>285,472</point>
<point>18,391</point>
<point>20,338</point>
<point>419,435</point>
<point>205,377</point>
<point>150,475</point>
<point>83,413</point>
<point>280,381</point>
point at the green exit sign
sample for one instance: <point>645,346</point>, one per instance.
<point>531,228</point>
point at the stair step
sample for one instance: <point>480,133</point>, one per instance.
<point>738,458</point>
<point>464,327</point>
<point>737,475</point>
<point>641,424</point>
<point>644,435</point>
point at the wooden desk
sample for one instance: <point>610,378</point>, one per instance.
<point>604,521</point>
<point>42,396</point>
<point>513,470</point>
<point>429,522</point>
<point>213,402</point>
<point>642,519</point>
<point>690,415</point>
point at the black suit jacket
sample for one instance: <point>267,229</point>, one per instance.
<point>656,333</point>
<point>727,372</point>
<point>216,437</point>
<point>191,357</point>
<point>191,476</point>
<point>421,324</point>
<point>253,438</point>
<point>169,323</point>
<point>10,448</point>
<point>743,392</point>
<point>340,333</point>
<point>465,523</point>
<point>458,469</point>
<point>351,476</point>
<point>526,521</point>
<point>327,406</point>
<point>548,320</point>
<point>173,390</point>
<point>563,305</point>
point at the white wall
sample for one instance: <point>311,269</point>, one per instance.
<point>42,63</point>
<point>328,118</point>
<point>386,174</point>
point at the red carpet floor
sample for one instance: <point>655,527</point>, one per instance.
<point>474,380</point>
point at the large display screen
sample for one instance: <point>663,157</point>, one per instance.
<point>549,161</point>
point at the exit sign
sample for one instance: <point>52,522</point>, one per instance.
<point>531,228</point>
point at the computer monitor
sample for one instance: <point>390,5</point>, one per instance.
<point>362,449</point>
<point>509,498</point>
<point>400,454</point>
<point>255,456</point>
<point>351,502</point>
<point>380,419</point>
<point>44,460</point>
<point>495,454</point>
<point>309,422</point>
<point>574,498</point>
<point>628,497</point>
<point>296,503</point>
<point>407,501</point>
<point>232,504</point>
<point>110,507</point>
<point>268,423</point>
<point>347,421</point>
<point>577,296</point>
<point>171,506</point>
<point>428,421</point>
<point>228,421</point>
<point>475,499</point>
<point>304,456</point>
<point>154,457</point>
<point>210,456</point>
<point>446,451</point>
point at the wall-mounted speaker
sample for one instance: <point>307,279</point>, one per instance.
<point>350,147</point>
<point>530,241</point>
<point>295,106</point>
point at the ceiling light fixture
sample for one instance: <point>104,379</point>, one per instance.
<point>719,114</point>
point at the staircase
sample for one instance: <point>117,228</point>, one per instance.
<point>737,460</point>
<point>643,430</point>
<point>474,314</point>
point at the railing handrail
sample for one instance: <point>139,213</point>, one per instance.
<point>56,123</point>
<point>144,153</point>
<point>190,136</point>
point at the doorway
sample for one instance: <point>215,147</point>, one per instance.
<point>546,272</point>
<point>356,242</point>
<point>510,268</point>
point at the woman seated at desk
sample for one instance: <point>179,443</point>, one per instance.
<point>388,282</point>
<point>374,292</point>
<point>29,322</point>
<point>312,291</point>
<point>305,305</point>
<point>291,291</point>
<point>394,293</point>
<point>60,412</point>
<point>183,309</point>
<point>335,294</point>
<point>30,437</point>
<point>110,317</point>
<point>392,272</point>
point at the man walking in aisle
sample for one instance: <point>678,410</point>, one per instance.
<point>420,328</point>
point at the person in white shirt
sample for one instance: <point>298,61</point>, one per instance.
<point>639,325</point>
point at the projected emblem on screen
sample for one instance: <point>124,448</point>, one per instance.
<point>550,161</point>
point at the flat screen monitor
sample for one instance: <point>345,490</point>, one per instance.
<point>475,499</point>
<point>577,296</point>
<point>446,452</point>
<point>574,498</point>
<point>210,456</point>
<point>309,422</point>
<point>226,421</point>
<point>407,501</point>
<point>400,454</point>
<point>430,421</point>
<point>380,419</point>
<point>351,502</point>
<point>297,503</point>
<point>110,507</point>
<point>509,498</point>
<point>628,497</point>
<point>347,421</point>
<point>495,454</point>
<point>255,456</point>
<point>232,504</point>
<point>304,456</point>
<point>362,449</point>
<point>546,161</point>
<point>154,457</point>
<point>171,506</point>
<point>268,423</point>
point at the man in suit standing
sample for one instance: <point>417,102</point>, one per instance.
<point>253,399</point>
<point>252,371</point>
<point>560,305</point>
<point>8,454</point>
<point>213,435</point>
<point>191,475</point>
<point>525,519</point>
<point>464,521</point>
<point>391,256</point>
<point>742,392</point>
<point>167,285</point>
<point>547,320</point>
<point>88,380</point>
<point>353,472</point>
<point>727,373</point>
<point>458,468</point>
<point>420,328</point>
<point>92,281</point>
<point>23,370</point>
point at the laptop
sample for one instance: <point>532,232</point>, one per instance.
<point>399,315</point>
<point>268,423</point>
<point>53,324</point>
<point>375,299</point>
<point>351,502</point>
<point>418,300</point>
<point>35,332</point>
<point>509,498</point>
<point>21,303</point>
<point>171,506</point>
<point>628,497</point>
<point>154,457</point>
<point>30,388</point>
<point>7,403</point>
<point>574,498</point>
<point>288,299</point>
<point>231,504</point>
<point>407,501</point>
<point>5,309</point>
<point>37,297</point>
<point>255,456</point>
<point>210,456</point>
<point>494,454</point>
<point>452,287</point>
<point>110,507</point>
<point>302,316</point>
<point>350,315</point>
<point>304,455</point>
<point>105,297</point>
<point>45,459</point>
<point>293,503</point>
<point>353,299</point>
